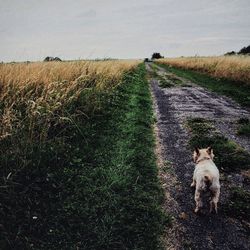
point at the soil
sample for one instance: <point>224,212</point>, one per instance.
<point>172,107</point>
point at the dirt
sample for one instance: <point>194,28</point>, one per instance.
<point>173,106</point>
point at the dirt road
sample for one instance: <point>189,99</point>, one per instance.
<point>173,106</point>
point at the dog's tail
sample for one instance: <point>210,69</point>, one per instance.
<point>207,181</point>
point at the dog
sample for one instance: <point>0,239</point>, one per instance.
<point>206,177</point>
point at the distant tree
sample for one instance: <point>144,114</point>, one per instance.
<point>156,55</point>
<point>57,59</point>
<point>50,59</point>
<point>231,53</point>
<point>245,50</point>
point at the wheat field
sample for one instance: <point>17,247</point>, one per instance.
<point>37,95</point>
<point>236,68</point>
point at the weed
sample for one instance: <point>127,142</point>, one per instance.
<point>168,81</point>
<point>167,167</point>
<point>239,203</point>
<point>164,83</point>
<point>174,79</point>
<point>244,127</point>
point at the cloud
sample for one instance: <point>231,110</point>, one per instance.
<point>31,30</point>
<point>91,13</point>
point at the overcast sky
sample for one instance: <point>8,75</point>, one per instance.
<point>72,29</point>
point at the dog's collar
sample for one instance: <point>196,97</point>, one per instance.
<point>203,159</point>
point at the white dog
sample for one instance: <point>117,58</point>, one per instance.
<point>206,175</point>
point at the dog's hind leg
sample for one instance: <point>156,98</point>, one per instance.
<point>198,201</point>
<point>215,199</point>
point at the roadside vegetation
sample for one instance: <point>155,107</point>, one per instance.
<point>244,127</point>
<point>229,158</point>
<point>229,76</point>
<point>235,68</point>
<point>77,157</point>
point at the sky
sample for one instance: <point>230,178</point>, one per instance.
<point>88,29</point>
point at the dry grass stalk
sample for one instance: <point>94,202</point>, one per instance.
<point>36,95</point>
<point>236,68</point>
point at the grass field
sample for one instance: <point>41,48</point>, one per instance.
<point>234,68</point>
<point>239,91</point>
<point>41,94</point>
<point>77,158</point>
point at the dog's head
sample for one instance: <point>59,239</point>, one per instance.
<point>205,153</point>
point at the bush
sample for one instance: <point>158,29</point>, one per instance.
<point>157,55</point>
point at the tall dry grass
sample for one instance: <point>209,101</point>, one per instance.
<point>236,68</point>
<point>36,96</point>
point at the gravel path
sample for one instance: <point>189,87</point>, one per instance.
<point>173,106</point>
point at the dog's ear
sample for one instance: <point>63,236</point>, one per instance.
<point>196,154</point>
<point>210,152</point>
<point>197,151</point>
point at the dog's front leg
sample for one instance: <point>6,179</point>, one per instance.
<point>193,183</point>
<point>198,201</point>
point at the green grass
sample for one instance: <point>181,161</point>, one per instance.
<point>153,71</point>
<point>174,79</point>
<point>169,81</point>
<point>165,83</point>
<point>238,91</point>
<point>238,204</point>
<point>228,155</point>
<point>93,185</point>
<point>244,127</point>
